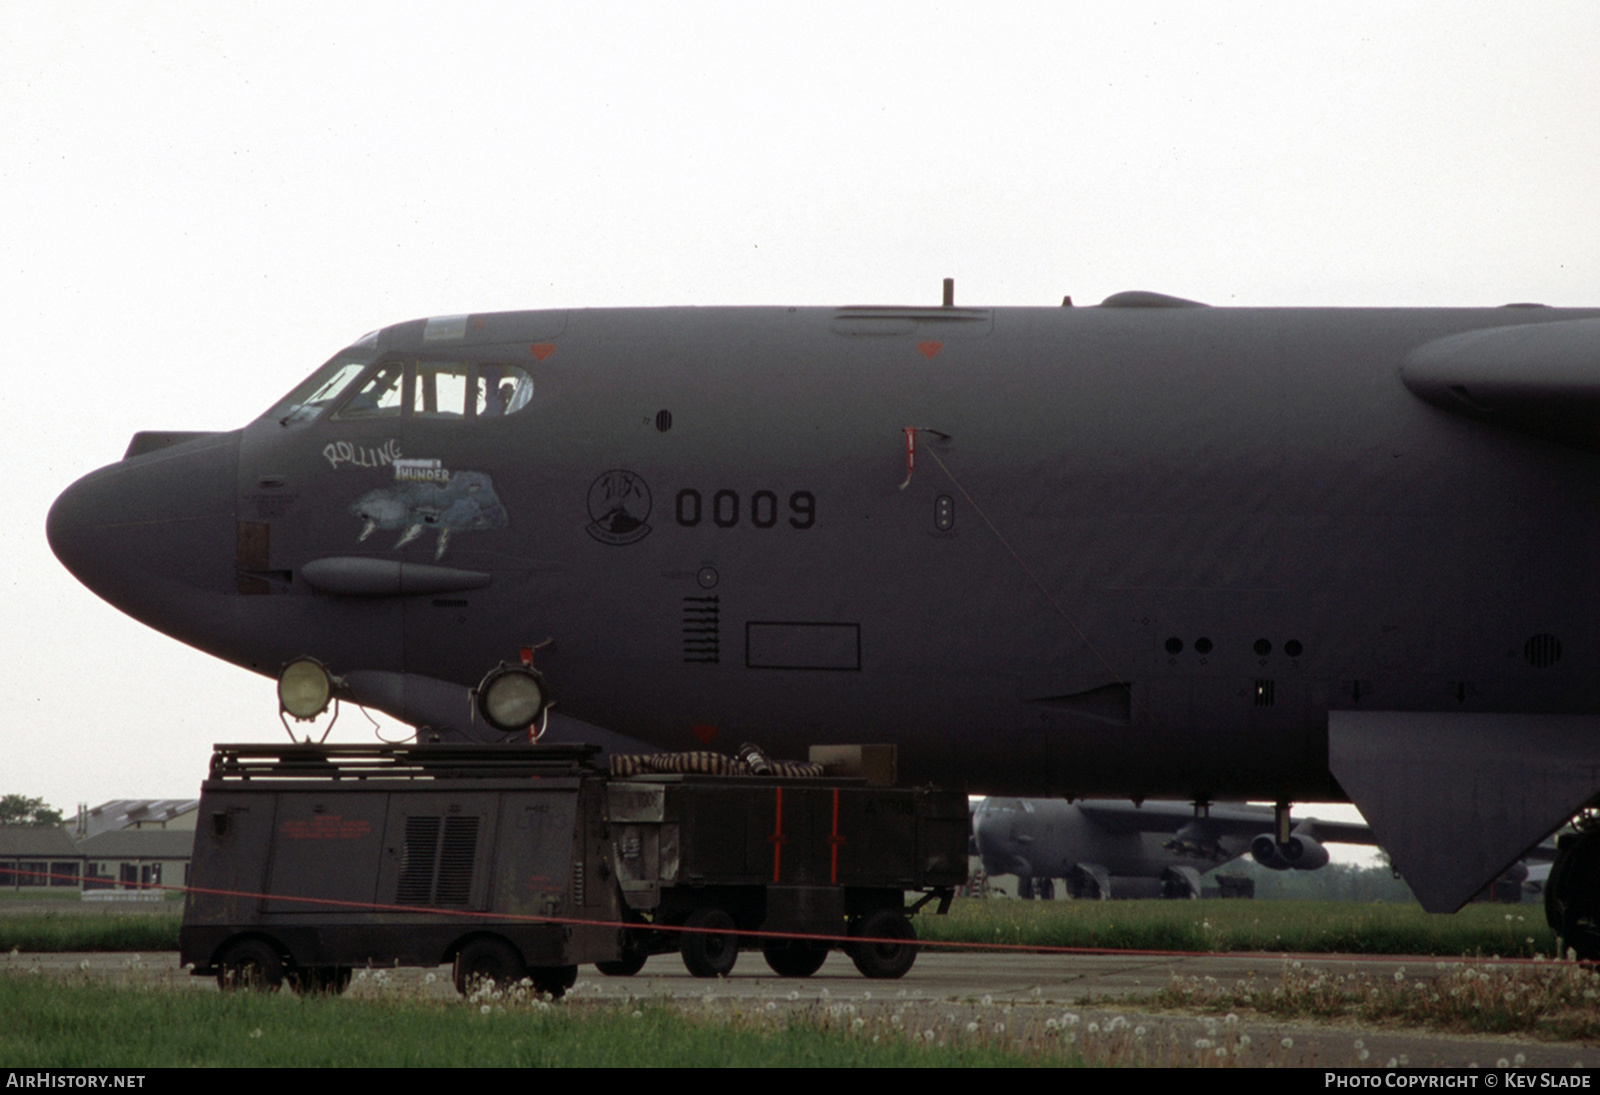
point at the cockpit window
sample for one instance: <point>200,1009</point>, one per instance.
<point>502,389</point>
<point>440,389</point>
<point>321,389</point>
<point>381,396</point>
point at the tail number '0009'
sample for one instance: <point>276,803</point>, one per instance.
<point>726,509</point>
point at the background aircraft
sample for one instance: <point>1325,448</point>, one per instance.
<point>1105,848</point>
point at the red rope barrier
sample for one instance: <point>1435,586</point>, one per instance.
<point>947,944</point>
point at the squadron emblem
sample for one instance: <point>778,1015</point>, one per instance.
<point>619,505</point>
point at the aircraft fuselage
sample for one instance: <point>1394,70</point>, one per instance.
<point>1144,551</point>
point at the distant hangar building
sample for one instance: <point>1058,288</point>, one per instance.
<point>116,849</point>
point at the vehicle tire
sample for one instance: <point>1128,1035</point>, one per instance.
<point>254,964</point>
<point>884,960</point>
<point>627,964</point>
<point>320,980</point>
<point>709,953</point>
<point>488,959</point>
<point>1025,887</point>
<point>631,955</point>
<point>1572,896</point>
<point>554,981</point>
<point>794,957</point>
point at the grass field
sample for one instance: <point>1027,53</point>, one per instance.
<point>90,931</point>
<point>55,1025</point>
<point>1297,926</point>
<point>1553,1000</point>
<point>1294,926</point>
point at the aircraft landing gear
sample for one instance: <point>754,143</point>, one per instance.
<point>1083,886</point>
<point>1030,886</point>
<point>1572,896</point>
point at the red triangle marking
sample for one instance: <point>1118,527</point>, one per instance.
<point>930,348</point>
<point>542,350</point>
<point>704,732</point>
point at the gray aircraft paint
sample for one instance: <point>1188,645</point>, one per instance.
<point>1220,527</point>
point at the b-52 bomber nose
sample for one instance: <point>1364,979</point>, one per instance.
<point>154,535</point>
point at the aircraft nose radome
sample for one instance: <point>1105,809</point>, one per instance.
<point>153,533</point>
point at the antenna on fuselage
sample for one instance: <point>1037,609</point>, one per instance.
<point>949,292</point>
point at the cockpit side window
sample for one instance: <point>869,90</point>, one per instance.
<point>502,390</point>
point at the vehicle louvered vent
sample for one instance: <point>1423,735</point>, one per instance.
<point>436,863</point>
<point>417,860</point>
<point>456,855</point>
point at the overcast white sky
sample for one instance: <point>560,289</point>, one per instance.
<point>199,203</point>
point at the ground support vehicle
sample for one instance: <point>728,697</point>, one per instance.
<point>515,861</point>
<point>787,857</point>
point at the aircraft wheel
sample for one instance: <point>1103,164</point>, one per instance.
<point>1572,896</point>
<point>554,981</point>
<point>709,953</point>
<point>320,980</point>
<point>1025,887</point>
<point>884,960</point>
<point>489,959</point>
<point>794,957</point>
<point>1045,889</point>
<point>250,964</point>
